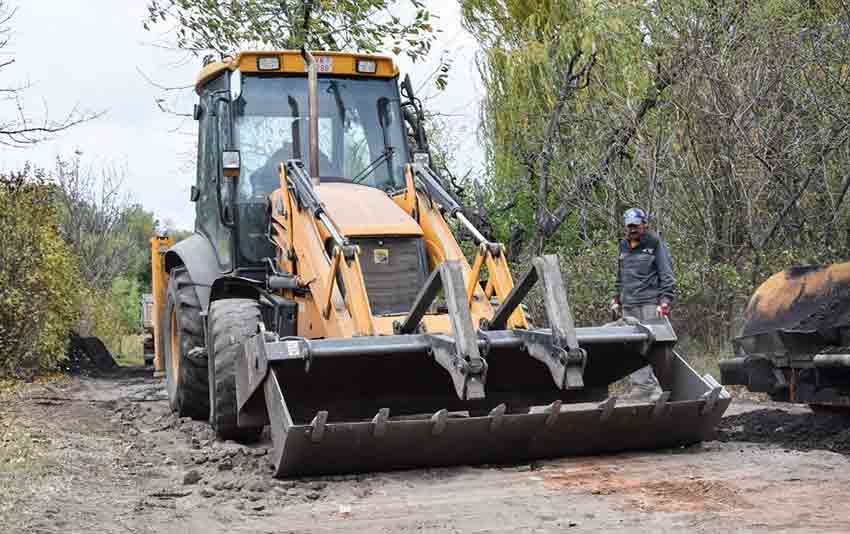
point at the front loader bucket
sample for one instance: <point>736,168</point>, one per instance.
<point>380,403</point>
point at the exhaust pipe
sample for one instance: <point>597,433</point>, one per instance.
<point>313,111</point>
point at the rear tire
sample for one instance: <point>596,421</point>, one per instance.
<point>185,359</point>
<point>231,322</point>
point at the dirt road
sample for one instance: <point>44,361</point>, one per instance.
<point>105,455</point>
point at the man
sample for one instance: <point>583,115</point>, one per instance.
<point>645,286</point>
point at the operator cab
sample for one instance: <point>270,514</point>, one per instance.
<point>256,106</point>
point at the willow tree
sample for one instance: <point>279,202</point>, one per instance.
<point>562,80</point>
<point>727,120</point>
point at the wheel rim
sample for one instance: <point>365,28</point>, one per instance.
<point>174,353</point>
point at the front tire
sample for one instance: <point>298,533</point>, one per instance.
<point>231,322</point>
<point>183,347</point>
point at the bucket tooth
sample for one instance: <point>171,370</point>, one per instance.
<point>606,408</point>
<point>439,419</point>
<point>660,408</point>
<point>710,398</point>
<point>379,422</point>
<point>317,430</point>
<point>553,410</point>
<point>497,416</point>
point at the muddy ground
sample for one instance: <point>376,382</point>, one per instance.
<point>105,455</point>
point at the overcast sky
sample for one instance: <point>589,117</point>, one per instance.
<point>91,53</point>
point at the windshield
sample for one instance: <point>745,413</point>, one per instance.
<point>360,135</point>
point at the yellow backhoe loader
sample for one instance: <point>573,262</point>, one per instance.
<point>333,303</point>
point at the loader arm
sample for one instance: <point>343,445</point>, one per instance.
<point>443,246</point>
<point>299,238</point>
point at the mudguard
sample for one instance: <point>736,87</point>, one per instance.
<point>199,257</point>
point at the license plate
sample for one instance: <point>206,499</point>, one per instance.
<point>324,63</point>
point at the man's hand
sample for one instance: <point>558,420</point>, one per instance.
<point>663,309</point>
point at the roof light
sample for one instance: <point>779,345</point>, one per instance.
<point>268,63</point>
<point>368,66</point>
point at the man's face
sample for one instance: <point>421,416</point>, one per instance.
<point>635,231</point>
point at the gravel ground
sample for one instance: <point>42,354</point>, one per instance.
<point>105,455</point>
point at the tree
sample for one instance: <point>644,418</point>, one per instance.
<point>94,220</point>
<point>727,121</point>
<point>17,127</point>
<point>39,283</point>
<point>224,26</point>
<point>141,226</point>
<point>537,65</point>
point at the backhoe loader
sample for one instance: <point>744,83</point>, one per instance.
<point>330,301</point>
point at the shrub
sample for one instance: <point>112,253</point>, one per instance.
<point>39,282</point>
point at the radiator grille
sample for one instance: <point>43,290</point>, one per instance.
<point>394,270</point>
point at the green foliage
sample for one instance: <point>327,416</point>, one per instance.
<point>727,121</point>
<point>358,25</point>
<point>140,224</point>
<point>527,48</point>
<point>39,281</point>
<point>127,297</point>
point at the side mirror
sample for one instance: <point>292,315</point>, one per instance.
<point>197,112</point>
<point>194,194</point>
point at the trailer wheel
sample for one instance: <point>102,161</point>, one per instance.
<point>185,359</point>
<point>231,322</point>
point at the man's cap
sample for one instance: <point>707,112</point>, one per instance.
<point>634,216</point>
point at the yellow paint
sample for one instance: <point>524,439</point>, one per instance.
<point>356,298</point>
<point>363,211</point>
<point>291,63</point>
<point>359,210</point>
<point>476,273</point>
<point>159,281</point>
<point>502,283</point>
<point>330,283</point>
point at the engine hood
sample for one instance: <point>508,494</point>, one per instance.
<point>359,210</point>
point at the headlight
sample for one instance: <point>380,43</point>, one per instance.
<point>368,66</point>
<point>268,63</point>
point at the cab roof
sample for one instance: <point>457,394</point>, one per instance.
<point>291,62</point>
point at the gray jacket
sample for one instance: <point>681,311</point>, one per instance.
<point>645,272</point>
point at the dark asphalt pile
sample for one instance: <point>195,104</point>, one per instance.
<point>804,432</point>
<point>87,355</point>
